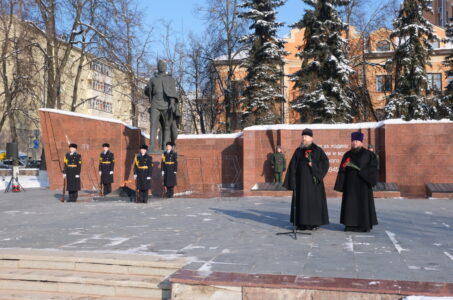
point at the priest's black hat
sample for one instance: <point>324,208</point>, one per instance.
<point>307,131</point>
<point>106,145</point>
<point>73,146</point>
<point>144,147</point>
<point>357,136</point>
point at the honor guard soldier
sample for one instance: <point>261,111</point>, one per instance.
<point>278,163</point>
<point>169,167</point>
<point>72,168</point>
<point>142,173</point>
<point>106,166</point>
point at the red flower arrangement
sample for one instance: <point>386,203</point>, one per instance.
<point>349,163</point>
<point>308,154</point>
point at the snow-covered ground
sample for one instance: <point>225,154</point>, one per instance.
<point>40,181</point>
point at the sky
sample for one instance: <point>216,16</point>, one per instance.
<point>184,18</point>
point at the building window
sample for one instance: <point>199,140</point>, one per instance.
<point>108,89</point>
<point>435,44</point>
<point>383,45</point>
<point>101,87</point>
<point>237,87</point>
<point>450,81</point>
<point>101,105</point>
<point>101,68</point>
<point>434,82</point>
<point>383,83</point>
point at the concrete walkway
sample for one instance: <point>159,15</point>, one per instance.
<point>414,240</point>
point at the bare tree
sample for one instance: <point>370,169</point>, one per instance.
<point>196,78</point>
<point>365,17</point>
<point>87,42</point>
<point>59,42</point>
<point>225,29</point>
<point>126,43</point>
<point>17,68</point>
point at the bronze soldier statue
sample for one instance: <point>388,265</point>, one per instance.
<point>163,97</point>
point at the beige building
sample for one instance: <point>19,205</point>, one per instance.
<point>442,12</point>
<point>103,90</point>
<point>379,48</point>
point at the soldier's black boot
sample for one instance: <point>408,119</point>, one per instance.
<point>145,197</point>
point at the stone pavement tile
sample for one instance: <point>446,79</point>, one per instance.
<point>410,241</point>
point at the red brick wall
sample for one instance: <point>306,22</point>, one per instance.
<point>411,155</point>
<point>204,164</point>
<point>417,154</point>
<point>260,144</point>
<point>89,135</point>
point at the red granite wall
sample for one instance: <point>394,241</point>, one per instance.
<point>417,154</point>
<point>204,164</point>
<point>209,163</point>
<point>89,134</point>
<point>260,144</point>
<point>411,155</point>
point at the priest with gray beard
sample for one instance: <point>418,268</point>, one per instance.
<point>306,171</point>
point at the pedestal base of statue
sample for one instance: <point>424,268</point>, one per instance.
<point>155,152</point>
<point>157,181</point>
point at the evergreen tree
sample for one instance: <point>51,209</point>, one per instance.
<point>443,104</point>
<point>323,78</point>
<point>263,63</point>
<point>413,34</point>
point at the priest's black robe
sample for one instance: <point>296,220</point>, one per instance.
<point>357,206</point>
<point>309,197</point>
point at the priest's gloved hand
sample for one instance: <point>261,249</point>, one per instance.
<point>100,173</point>
<point>77,176</point>
<point>163,173</point>
<point>135,176</point>
<point>310,164</point>
<point>148,178</point>
<point>64,175</point>
<point>175,172</point>
<point>111,172</point>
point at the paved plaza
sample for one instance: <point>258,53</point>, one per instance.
<point>414,240</point>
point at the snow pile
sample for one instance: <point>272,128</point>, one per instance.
<point>74,114</point>
<point>210,136</point>
<point>427,298</point>
<point>27,182</point>
<point>346,126</point>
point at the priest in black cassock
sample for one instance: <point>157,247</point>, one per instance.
<point>304,177</point>
<point>356,177</point>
